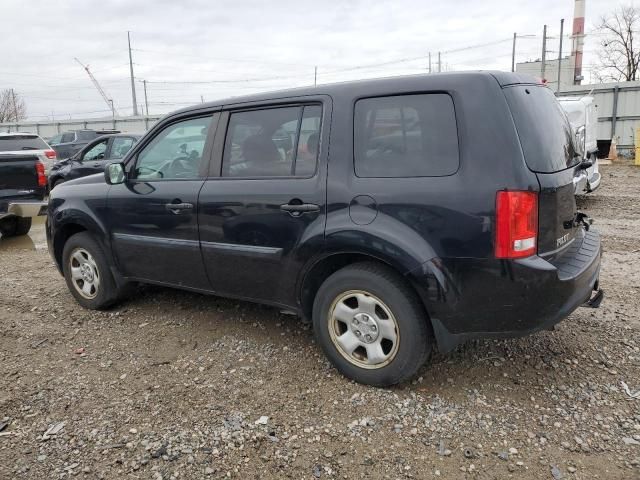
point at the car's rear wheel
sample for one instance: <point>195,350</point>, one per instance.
<point>15,226</point>
<point>371,325</point>
<point>87,273</point>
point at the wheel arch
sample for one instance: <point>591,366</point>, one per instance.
<point>324,265</point>
<point>75,224</point>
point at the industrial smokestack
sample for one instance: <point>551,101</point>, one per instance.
<point>578,39</point>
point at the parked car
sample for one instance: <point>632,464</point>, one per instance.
<point>68,143</point>
<point>18,143</point>
<point>93,157</point>
<point>22,190</point>
<point>584,121</point>
<point>442,211</point>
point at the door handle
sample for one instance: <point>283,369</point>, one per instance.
<point>297,209</point>
<point>176,208</point>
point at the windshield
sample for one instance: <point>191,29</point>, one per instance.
<point>12,143</point>
<point>544,130</point>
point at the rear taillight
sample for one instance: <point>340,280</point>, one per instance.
<point>42,178</point>
<point>516,224</point>
<point>50,154</point>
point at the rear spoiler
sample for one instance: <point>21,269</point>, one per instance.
<point>512,78</point>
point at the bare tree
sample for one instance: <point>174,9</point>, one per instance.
<point>619,57</point>
<point>12,107</point>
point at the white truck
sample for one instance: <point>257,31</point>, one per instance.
<point>583,118</point>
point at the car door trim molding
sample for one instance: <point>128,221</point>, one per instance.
<point>164,241</point>
<point>250,250</point>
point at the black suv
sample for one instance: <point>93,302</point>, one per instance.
<point>399,214</point>
<point>93,157</point>
<point>68,143</point>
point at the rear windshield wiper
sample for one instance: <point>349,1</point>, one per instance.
<point>29,148</point>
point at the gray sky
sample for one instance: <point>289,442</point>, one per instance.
<point>247,46</point>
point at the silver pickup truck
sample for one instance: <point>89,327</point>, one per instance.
<point>584,120</point>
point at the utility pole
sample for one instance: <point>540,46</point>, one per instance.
<point>315,76</point>
<point>439,63</point>
<point>15,106</point>
<point>133,85</point>
<point>146,102</point>
<point>560,54</point>
<point>429,62</point>
<point>513,53</point>
<point>544,52</point>
<point>201,99</point>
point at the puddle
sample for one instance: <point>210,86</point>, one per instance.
<point>35,240</point>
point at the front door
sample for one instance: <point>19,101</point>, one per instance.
<point>262,215</point>
<point>153,214</point>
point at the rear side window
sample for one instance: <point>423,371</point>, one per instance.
<point>544,130</point>
<point>274,142</point>
<point>120,146</point>
<point>406,136</point>
<point>12,143</point>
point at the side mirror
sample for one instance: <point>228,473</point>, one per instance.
<point>114,173</point>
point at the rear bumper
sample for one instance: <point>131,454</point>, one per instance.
<point>501,298</point>
<point>25,209</point>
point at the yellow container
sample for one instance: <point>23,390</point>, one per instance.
<point>637,156</point>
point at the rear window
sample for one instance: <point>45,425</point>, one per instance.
<point>22,142</point>
<point>405,136</point>
<point>544,130</point>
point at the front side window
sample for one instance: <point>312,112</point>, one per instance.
<point>405,136</point>
<point>96,152</point>
<point>68,137</point>
<point>275,142</point>
<point>120,147</point>
<point>176,152</point>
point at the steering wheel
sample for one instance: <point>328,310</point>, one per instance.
<point>180,166</point>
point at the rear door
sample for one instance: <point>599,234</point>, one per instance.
<point>153,215</point>
<point>548,145</point>
<point>262,210</point>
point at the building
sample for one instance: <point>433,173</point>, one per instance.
<point>567,68</point>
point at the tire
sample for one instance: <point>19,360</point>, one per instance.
<point>15,226</point>
<point>85,263</point>
<point>378,295</point>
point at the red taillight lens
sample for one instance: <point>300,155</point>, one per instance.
<point>42,178</point>
<point>50,153</point>
<point>516,224</point>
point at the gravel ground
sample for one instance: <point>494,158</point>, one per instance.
<point>177,385</point>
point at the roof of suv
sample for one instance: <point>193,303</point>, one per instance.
<point>503,79</point>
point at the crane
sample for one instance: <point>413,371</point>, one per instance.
<point>108,100</point>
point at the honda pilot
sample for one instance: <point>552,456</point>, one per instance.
<point>399,215</point>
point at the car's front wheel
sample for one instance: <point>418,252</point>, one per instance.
<point>87,273</point>
<point>371,325</point>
